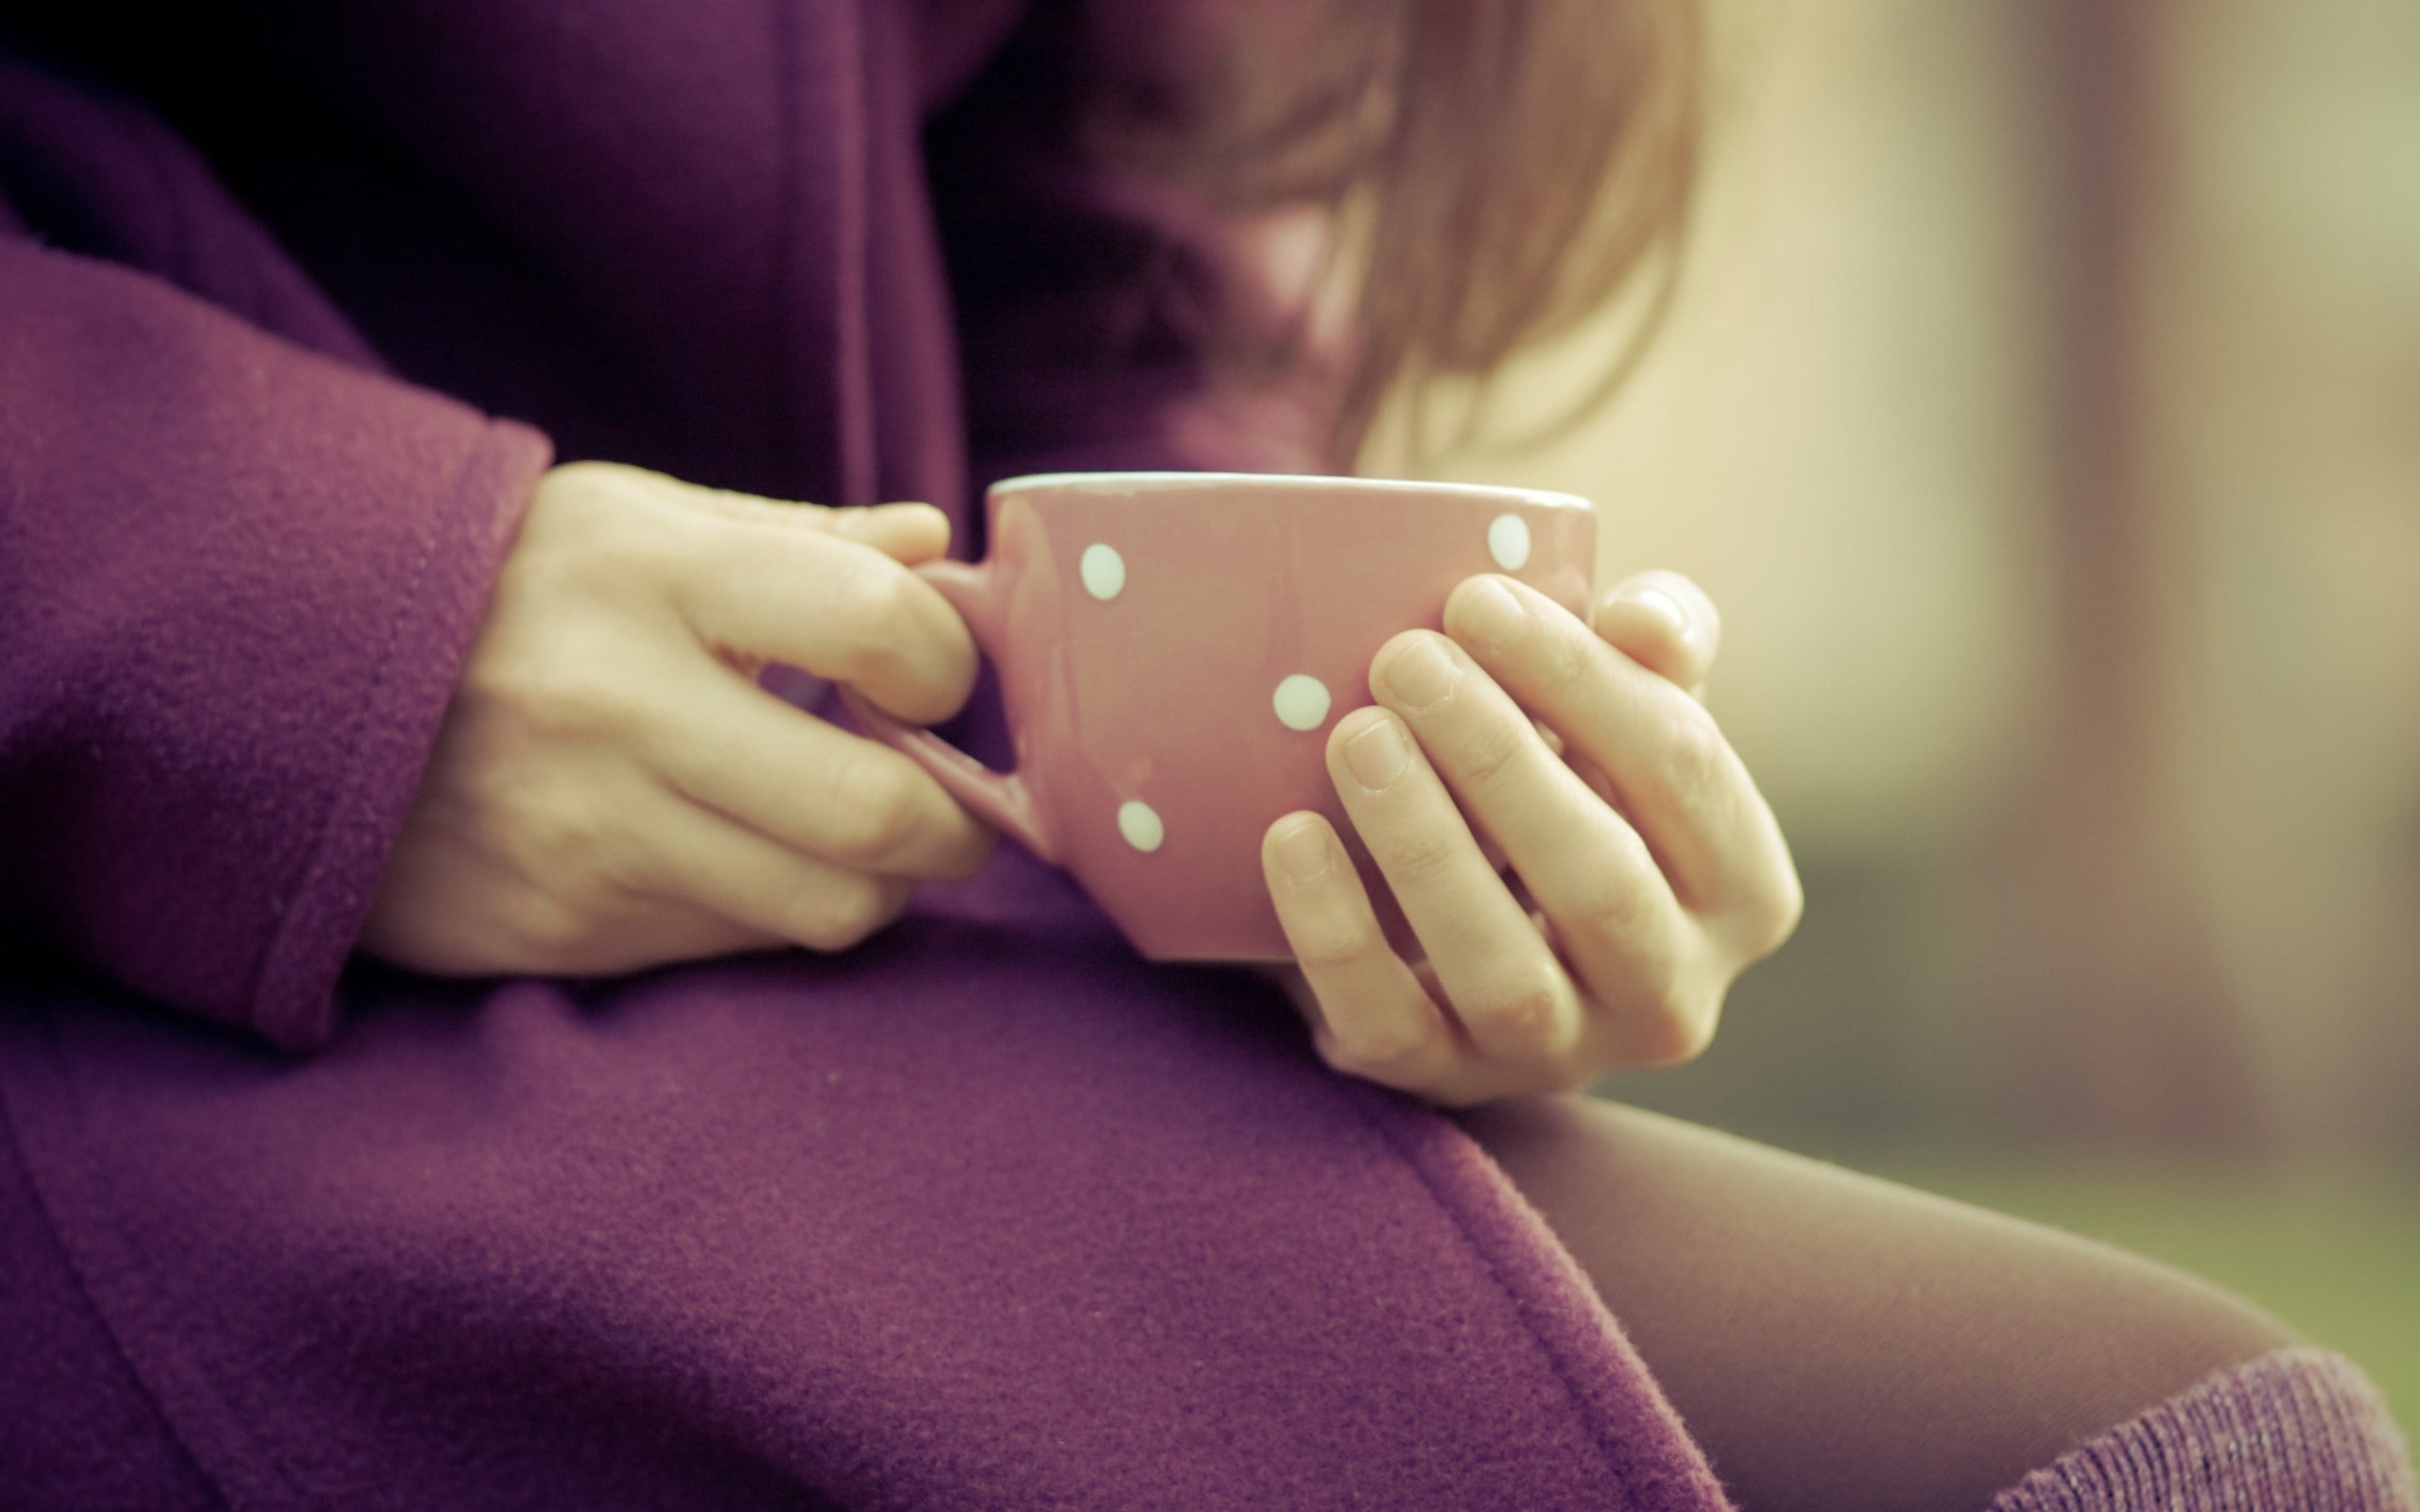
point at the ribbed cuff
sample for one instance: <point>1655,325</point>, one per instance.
<point>2296,1431</point>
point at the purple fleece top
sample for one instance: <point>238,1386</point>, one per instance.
<point>984,1214</point>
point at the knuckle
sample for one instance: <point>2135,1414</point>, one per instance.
<point>547,932</point>
<point>554,838</point>
<point>1692,760</point>
<point>836,915</point>
<point>1327,941</point>
<point>1761,912</point>
<point>1676,1030</point>
<point>970,848</point>
<point>1492,752</point>
<point>875,814</point>
<point>864,908</point>
<point>1608,901</point>
<point>610,549</point>
<point>1418,855</point>
<point>1524,1017</point>
<point>553,696</point>
<point>570,851</point>
<point>1657,969</point>
<point>1385,1052</point>
<point>1554,664</point>
<point>831,915</point>
<point>1778,920</point>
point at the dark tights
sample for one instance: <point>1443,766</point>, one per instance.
<point>1835,1341</point>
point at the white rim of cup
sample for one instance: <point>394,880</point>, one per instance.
<point>1136,485</point>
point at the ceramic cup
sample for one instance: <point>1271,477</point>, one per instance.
<point>1172,648</point>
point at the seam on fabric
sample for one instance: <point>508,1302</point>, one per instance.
<point>1572,1394</point>
<point>206,1383</point>
<point>789,443</point>
<point>846,427</point>
<point>308,876</point>
<point>852,396</point>
<point>12,1129</point>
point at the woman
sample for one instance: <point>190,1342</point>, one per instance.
<point>420,743</point>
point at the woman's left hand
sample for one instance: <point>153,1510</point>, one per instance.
<point>1640,870</point>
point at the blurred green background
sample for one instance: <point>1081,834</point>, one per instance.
<point>2328,1248</point>
<point>2043,408</point>
<point>1818,1056</point>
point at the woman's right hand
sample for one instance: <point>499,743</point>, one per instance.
<point>612,790</point>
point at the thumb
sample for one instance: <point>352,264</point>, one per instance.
<point>1665,624</point>
<point>801,592</point>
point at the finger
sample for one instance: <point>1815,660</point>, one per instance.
<point>1678,782</point>
<point>499,923</point>
<point>1665,624</point>
<point>907,532</point>
<point>1589,772</point>
<point>811,785</point>
<point>650,933</point>
<point>706,860</point>
<point>1500,978</point>
<point>829,606</point>
<point>1612,913</point>
<point>1374,1018</point>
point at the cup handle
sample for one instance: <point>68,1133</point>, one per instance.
<point>1001,797</point>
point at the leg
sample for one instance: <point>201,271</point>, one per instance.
<point>1838,1342</point>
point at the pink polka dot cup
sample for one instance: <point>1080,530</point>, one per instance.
<point>1172,648</point>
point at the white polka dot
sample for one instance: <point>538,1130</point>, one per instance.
<point>1301,702</point>
<point>1141,826</point>
<point>1508,541</point>
<point>1104,571</point>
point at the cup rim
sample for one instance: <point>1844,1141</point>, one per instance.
<point>1145,483</point>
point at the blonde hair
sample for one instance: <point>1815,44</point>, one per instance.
<point>1505,168</point>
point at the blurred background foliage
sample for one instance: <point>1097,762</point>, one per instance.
<point>2042,409</point>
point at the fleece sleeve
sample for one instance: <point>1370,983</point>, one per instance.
<point>237,578</point>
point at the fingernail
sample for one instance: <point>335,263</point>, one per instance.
<point>1421,673</point>
<point>1490,611</point>
<point>1303,850</point>
<point>1377,755</point>
<point>1656,601</point>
